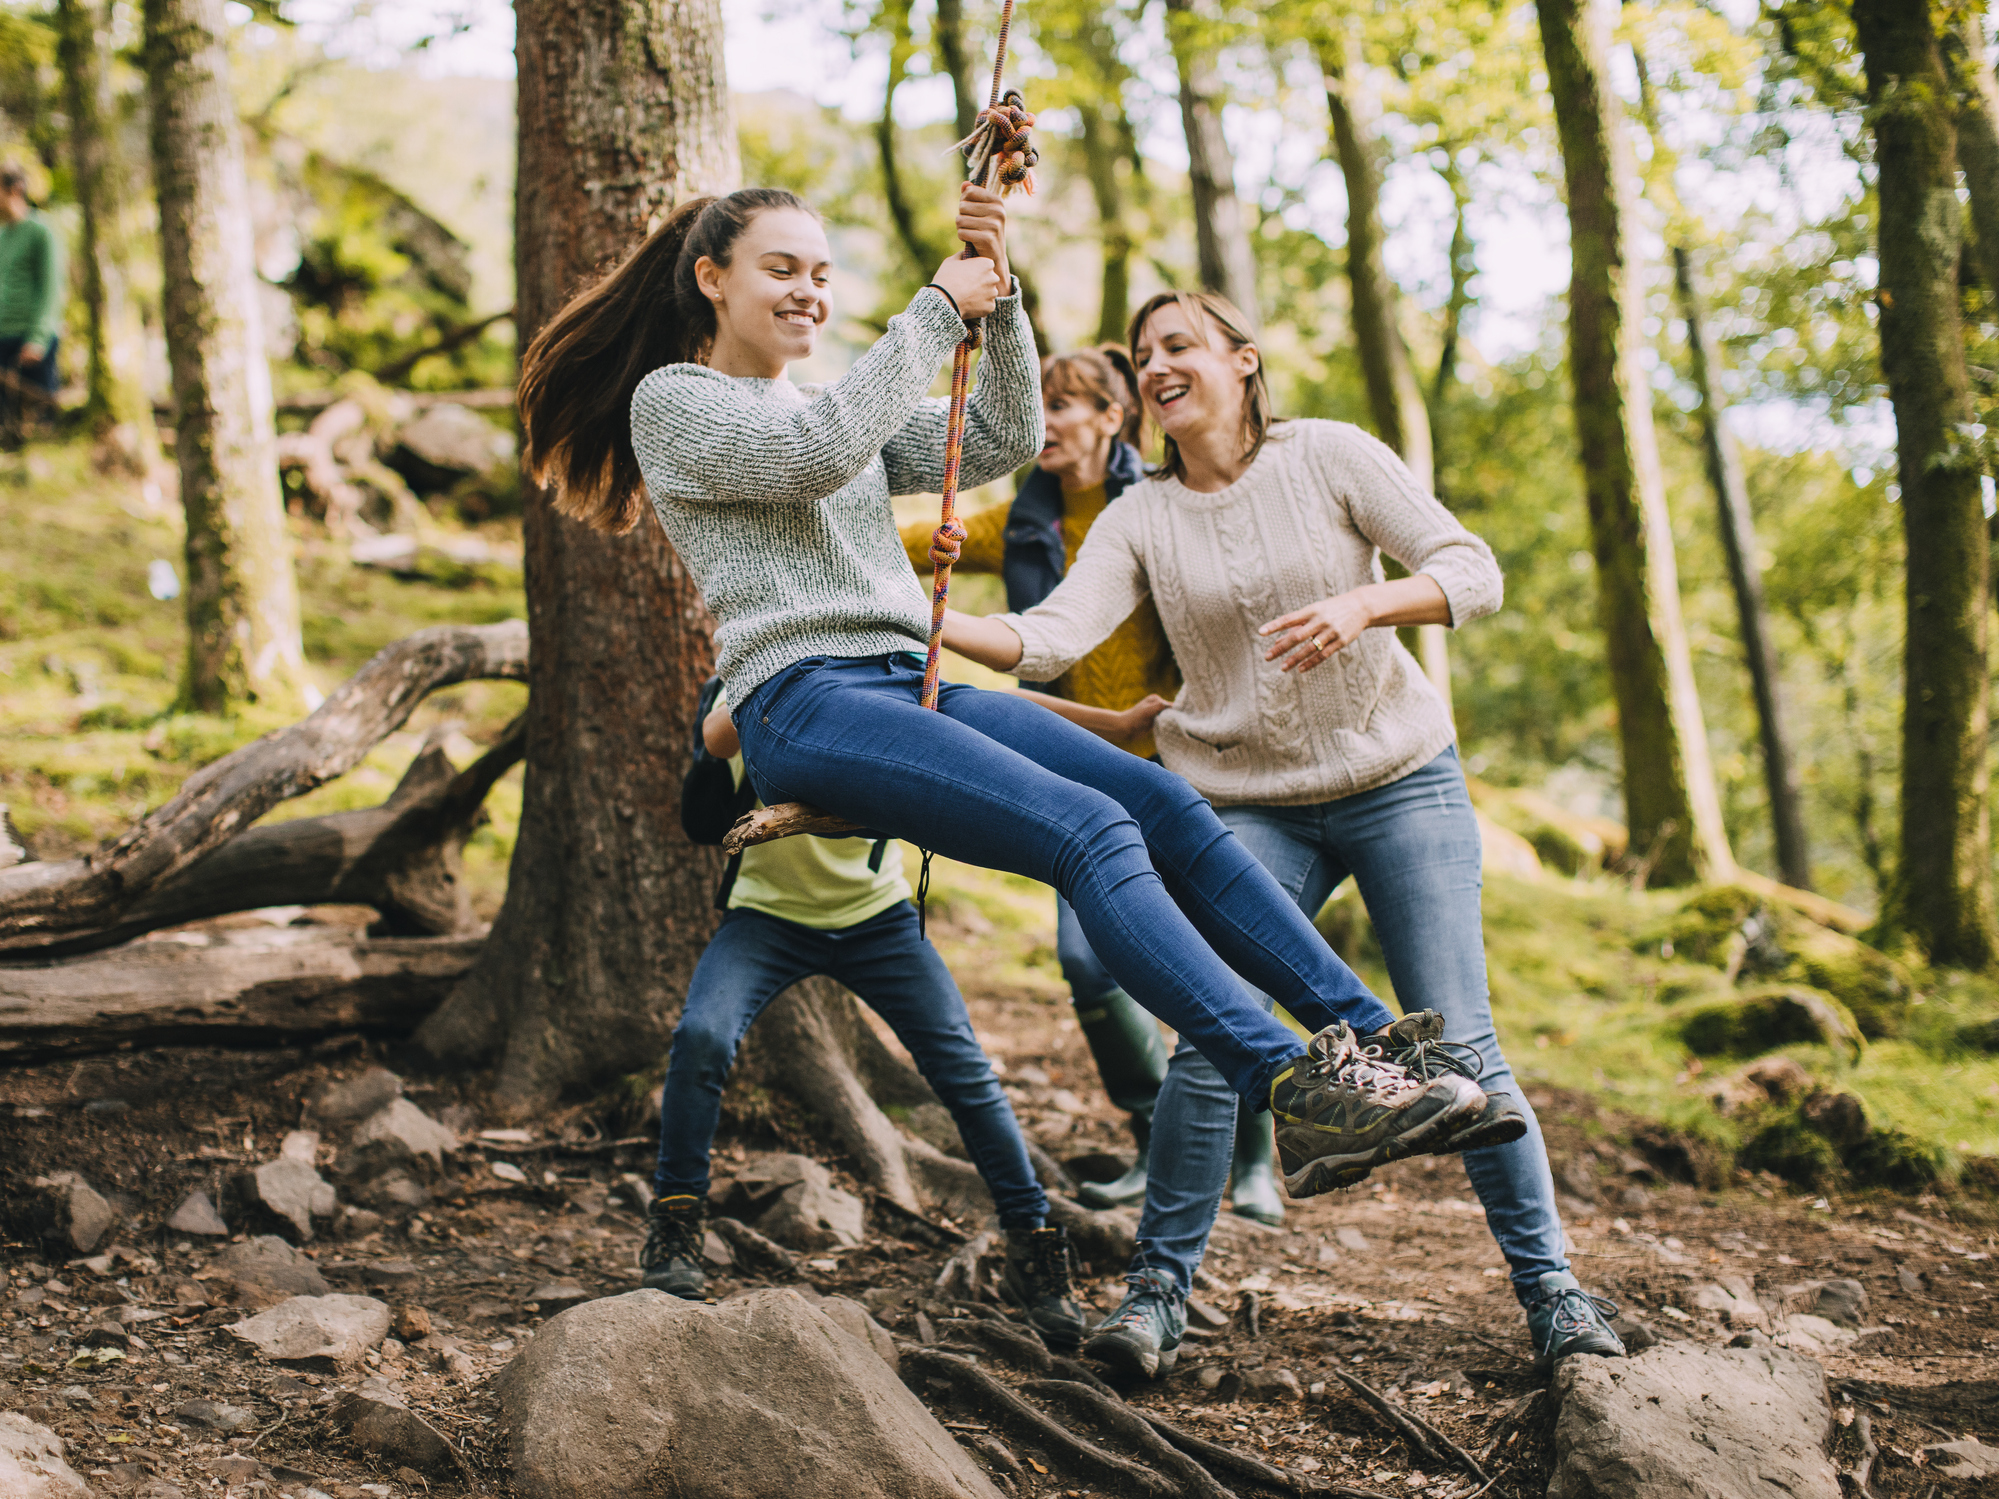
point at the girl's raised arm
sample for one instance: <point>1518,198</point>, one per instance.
<point>1002,418</point>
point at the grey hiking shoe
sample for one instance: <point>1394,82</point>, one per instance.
<point>1416,1044</point>
<point>1143,1335</point>
<point>1341,1111</point>
<point>1564,1319</point>
<point>671,1258</point>
<point>1037,1281</point>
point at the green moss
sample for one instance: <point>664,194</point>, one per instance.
<point>1760,1020</point>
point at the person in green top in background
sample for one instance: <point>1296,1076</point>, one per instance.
<point>840,907</point>
<point>1090,408</point>
<point>31,295</point>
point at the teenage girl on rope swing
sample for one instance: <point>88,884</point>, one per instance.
<point>671,371</point>
<point>1089,457</point>
<point>1319,741</point>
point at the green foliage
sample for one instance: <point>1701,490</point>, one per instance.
<point>1760,1020</point>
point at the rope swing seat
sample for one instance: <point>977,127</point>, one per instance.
<point>998,155</point>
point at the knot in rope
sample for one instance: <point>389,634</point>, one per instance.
<point>946,542</point>
<point>1002,136</point>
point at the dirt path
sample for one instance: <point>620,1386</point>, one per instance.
<point>1398,1283</point>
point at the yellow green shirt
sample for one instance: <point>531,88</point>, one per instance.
<point>823,883</point>
<point>1133,661</point>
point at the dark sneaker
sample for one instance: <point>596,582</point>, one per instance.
<point>1416,1044</point>
<point>1341,1111</point>
<point>671,1258</point>
<point>1143,1335</point>
<point>1564,1319</point>
<point>1037,1281</point>
<point>1253,1179</point>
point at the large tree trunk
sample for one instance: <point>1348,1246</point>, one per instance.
<point>1393,396</point>
<point>242,598</point>
<point>623,111</point>
<point>1101,153</point>
<point>1745,572</point>
<point>116,406</point>
<point>1942,892</point>
<point>1978,139</point>
<point>1221,232</point>
<point>1672,806</point>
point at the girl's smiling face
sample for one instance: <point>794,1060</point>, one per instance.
<point>773,296</point>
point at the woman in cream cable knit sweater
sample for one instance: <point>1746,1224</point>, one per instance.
<point>1321,745</point>
<point>777,500</point>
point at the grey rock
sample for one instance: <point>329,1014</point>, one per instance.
<point>557,1296</point>
<point>395,1274</point>
<point>646,1393</point>
<point>1684,1421</point>
<point>216,1415</point>
<point>1577,1177</point>
<point>752,1250</point>
<point>1732,1299</point>
<point>234,1469</point>
<point>397,1135</point>
<point>1967,1459</point>
<point>378,1421</point>
<point>357,1097</point>
<point>74,1214</point>
<point>715,1250</point>
<point>1841,1302</point>
<point>286,1195</point>
<point>1272,1384</point>
<point>339,1328</point>
<point>395,1191</point>
<point>792,1199</point>
<point>265,1270</point>
<point>32,1465</point>
<point>1908,1280</point>
<point>855,1319</point>
<point>196,1215</point>
<point>447,442</point>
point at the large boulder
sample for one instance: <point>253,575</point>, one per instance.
<point>447,443</point>
<point>336,1328</point>
<point>1686,1421</point>
<point>265,1271</point>
<point>1763,1019</point>
<point>645,1393</point>
<point>32,1465</point>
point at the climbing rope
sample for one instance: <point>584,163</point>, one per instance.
<point>998,153</point>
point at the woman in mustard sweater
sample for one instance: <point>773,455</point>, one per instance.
<point>1091,414</point>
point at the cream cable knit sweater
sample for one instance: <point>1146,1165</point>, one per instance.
<point>1309,520</point>
<point>776,496</point>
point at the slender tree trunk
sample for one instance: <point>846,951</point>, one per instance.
<point>1978,140</point>
<point>954,56</point>
<point>116,407</point>
<point>1942,891</point>
<point>1672,806</point>
<point>1221,230</point>
<point>1393,394</point>
<point>623,111</point>
<point>242,596</point>
<point>1463,268</point>
<point>901,211</point>
<point>1101,153</point>
<point>1745,572</point>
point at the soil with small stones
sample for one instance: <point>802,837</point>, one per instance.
<point>1397,1283</point>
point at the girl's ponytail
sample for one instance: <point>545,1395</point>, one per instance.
<point>578,376</point>
<point>1134,410</point>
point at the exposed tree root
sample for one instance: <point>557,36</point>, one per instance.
<point>1426,1443</point>
<point>1195,1481</point>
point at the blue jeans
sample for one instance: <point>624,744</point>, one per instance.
<point>756,957</point>
<point>1168,897</point>
<point>1413,849</point>
<point>1082,970</point>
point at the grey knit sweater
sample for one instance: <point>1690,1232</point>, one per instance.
<point>776,496</point>
<point>1309,520</point>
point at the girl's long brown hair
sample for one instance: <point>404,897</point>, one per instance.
<point>577,377</point>
<point>1203,307</point>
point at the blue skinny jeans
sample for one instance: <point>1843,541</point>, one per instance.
<point>1412,847</point>
<point>1168,897</point>
<point>755,957</point>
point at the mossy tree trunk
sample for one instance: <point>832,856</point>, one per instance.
<point>1393,395</point>
<point>1942,890</point>
<point>623,111</point>
<point>1672,806</point>
<point>1463,267</point>
<point>1221,229</point>
<point>1978,140</point>
<point>116,407</point>
<point>954,56</point>
<point>242,595</point>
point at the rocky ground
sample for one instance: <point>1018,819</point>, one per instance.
<point>164,1211</point>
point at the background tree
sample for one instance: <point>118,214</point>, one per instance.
<point>242,598</point>
<point>624,111</point>
<point>1672,807</point>
<point>1221,229</point>
<point>1942,892</point>
<point>116,406</point>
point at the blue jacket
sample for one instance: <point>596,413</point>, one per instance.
<point>1035,558</point>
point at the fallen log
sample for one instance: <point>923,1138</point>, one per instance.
<point>44,904</point>
<point>237,988</point>
<point>403,858</point>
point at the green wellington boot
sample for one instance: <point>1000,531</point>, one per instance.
<point>1253,1180</point>
<point>1131,1059</point>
